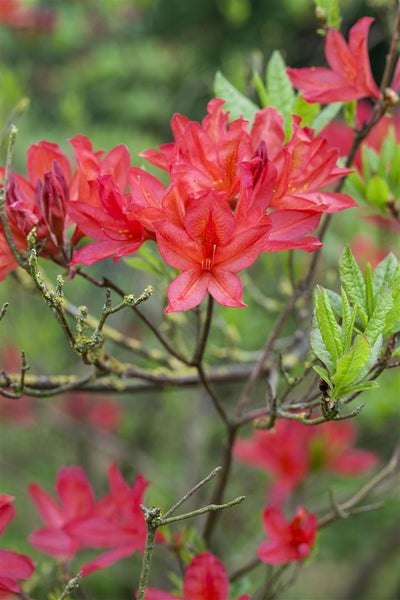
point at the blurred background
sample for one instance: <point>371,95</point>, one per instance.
<point>116,71</point>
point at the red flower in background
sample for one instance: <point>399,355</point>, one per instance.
<point>117,522</point>
<point>205,579</point>
<point>101,413</point>
<point>76,505</point>
<point>13,566</point>
<point>341,135</point>
<point>288,540</point>
<point>291,450</point>
<point>349,76</point>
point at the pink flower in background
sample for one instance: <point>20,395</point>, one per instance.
<point>282,452</point>
<point>205,579</point>
<point>291,450</point>
<point>349,76</point>
<point>101,413</point>
<point>76,504</point>
<point>287,540</point>
<point>13,566</point>
<point>341,135</point>
<point>117,522</point>
<point>331,448</point>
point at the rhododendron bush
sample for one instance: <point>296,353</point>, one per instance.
<point>217,344</point>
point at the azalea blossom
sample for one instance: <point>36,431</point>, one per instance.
<point>117,523</point>
<point>349,76</point>
<point>291,450</point>
<point>101,413</point>
<point>205,579</point>
<point>13,565</point>
<point>287,540</point>
<point>76,504</point>
<point>209,249</point>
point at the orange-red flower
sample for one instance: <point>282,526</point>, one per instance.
<point>349,76</point>
<point>13,566</point>
<point>205,579</point>
<point>287,540</point>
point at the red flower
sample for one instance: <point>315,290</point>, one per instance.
<point>13,566</point>
<point>205,155</point>
<point>349,77</point>
<point>282,451</point>
<point>104,215</point>
<point>77,504</point>
<point>209,248</point>
<point>341,135</point>
<point>40,201</point>
<point>117,523</point>
<point>304,164</point>
<point>288,541</point>
<point>291,450</point>
<point>205,579</point>
<point>100,413</point>
<point>331,448</point>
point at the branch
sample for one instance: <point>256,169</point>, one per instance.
<point>154,520</point>
<point>348,507</point>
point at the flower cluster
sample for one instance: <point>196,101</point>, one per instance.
<point>291,451</point>
<point>234,192</point>
<point>114,523</point>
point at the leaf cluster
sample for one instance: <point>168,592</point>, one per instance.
<point>348,330</point>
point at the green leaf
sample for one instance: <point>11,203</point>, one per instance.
<point>349,112</point>
<point>377,192</point>
<point>307,111</point>
<point>261,90</point>
<point>377,322</point>
<point>147,260</point>
<point>323,373</point>
<point>358,387</point>
<point>335,301</point>
<point>328,326</point>
<point>237,103</point>
<point>353,283</point>
<point>374,354</point>
<point>348,319</point>
<point>319,348</point>
<point>350,365</point>
<point>369,292</point>
<point>280,91</point>
<point>384,272</point>
<point>326,115</point>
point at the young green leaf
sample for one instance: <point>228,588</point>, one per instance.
<point>369,292</point>
<point>348,319</point>
<point>328,326</point>
<point>307,111</point>
<point>323,373</point>
<point>236,102</point>
<point>326,115</point>
<point>377,322</point>
<point>353,283</point>
<point>319,348</point>
<point>350,365</point>
<point>384,272</point>
<point>280,91</point>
